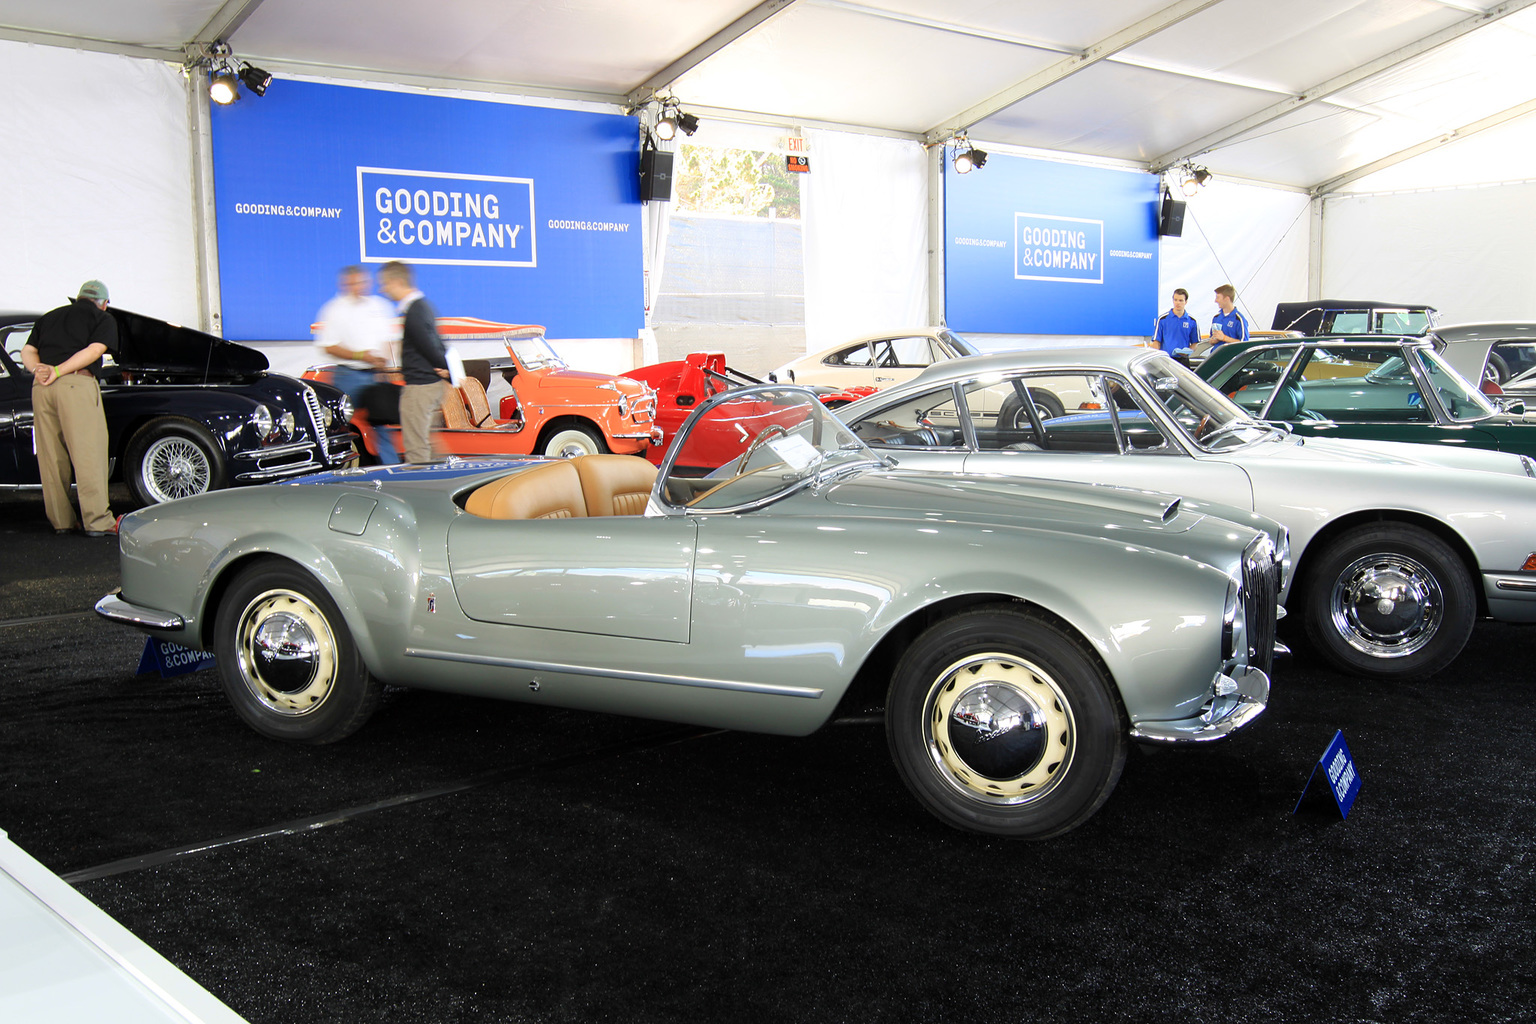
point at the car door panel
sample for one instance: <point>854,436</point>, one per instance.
<point>623,576</point>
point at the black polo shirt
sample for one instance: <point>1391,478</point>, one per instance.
<point>60,333</point>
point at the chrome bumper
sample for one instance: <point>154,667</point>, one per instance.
<point>115,608</point>
<point>1235,701</point>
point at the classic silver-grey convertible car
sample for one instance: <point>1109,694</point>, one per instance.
<point>1021,633</point>
<point>1398,547</point>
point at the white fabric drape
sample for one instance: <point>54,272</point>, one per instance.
<point>1253,238</point>
<point>97,174</point>
<point>1467,252</point>
<point>866,236</point>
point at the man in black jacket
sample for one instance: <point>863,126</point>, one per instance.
<point>68,423</point>
<point>423,363</point>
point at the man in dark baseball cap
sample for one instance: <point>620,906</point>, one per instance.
<point>68,424</point>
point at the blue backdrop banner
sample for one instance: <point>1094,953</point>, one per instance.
<point>510,213</point>
<point>1037,247</point>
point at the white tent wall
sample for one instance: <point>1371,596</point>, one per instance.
<point>97,174</point>
<point>1465,251</point>
<point>866,237</point>
<point>1252,237</point>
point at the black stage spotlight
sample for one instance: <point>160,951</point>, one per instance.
<point>969,159</point>
<point>666,125</point>
<point>255,79</point>
<point>687,123</point>
<point>224,88</point>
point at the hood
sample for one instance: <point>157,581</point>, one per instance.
<point>148,344</point>
<point>586,380</point>
<point>1041,502</point>
<point>1387,454</point>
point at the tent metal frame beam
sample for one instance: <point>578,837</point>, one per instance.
<point>1455,135</point>
<point>226,21</point>
<point>1071,65</point>
<point>1338,83</point>
<point>20,35</point>
<point>708,48</point>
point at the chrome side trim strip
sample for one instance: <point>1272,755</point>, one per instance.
<point>1506,583</point>
<point>812,693</point>
<point>115,608</point>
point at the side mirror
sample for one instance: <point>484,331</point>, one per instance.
<point>1512,406</point>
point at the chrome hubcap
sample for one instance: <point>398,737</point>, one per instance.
<point>999,728</point>
<point>1387,605</point>
<point>175,467</point>
<point>287,653</point>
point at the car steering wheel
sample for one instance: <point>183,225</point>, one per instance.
<point>757,442</point>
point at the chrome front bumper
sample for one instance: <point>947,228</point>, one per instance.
<point>115,608</point>
<point>1235,701</point>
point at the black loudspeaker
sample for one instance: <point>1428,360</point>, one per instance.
<point>655,176</point>
<point>1171,220</point>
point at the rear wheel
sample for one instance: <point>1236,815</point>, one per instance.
<point>1000,722</point>
<point>286,659</point>
<point>1389,600</point>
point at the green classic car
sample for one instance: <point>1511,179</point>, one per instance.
<point>1022,633</point>
<point>1388,389</point>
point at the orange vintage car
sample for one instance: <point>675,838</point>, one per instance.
<point>541,406</point>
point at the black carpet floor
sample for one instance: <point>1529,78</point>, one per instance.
<point>469,860</point>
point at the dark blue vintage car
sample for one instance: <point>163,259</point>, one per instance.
<point>186,413</point>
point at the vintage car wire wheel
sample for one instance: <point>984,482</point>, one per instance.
<point>287,662</point>
<point>1390,600</point>
<point>571,441</point>
<point>1000,720</point>
<point>170,459</point>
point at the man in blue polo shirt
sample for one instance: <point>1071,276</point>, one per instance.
<point>1229,324</point>
<point>1176,329</point>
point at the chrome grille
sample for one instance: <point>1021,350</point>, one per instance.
<point>1261,589</point>
<point>316,414</point>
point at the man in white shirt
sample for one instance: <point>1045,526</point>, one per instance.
<point>357,330</point>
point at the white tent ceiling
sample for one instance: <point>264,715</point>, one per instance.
<point>1301,93</point>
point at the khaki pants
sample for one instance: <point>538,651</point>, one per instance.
<point>70,429</point>
<point>420,408</point>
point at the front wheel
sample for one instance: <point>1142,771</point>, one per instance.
<point>286,659</point>
<point>170,459</point>
<point>1389,600</point>
<point>569,442</point>
<point>1001,722</point>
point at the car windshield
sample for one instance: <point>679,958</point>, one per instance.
<point>1210,420</point>
<point>1460,399</point>
<point>753,445</point>
<point>534,353</point>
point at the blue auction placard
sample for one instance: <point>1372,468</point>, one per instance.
<point>1335,769</point>
<point>510,213</point>
<point>1039,247</point>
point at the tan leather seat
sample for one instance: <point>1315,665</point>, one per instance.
<point>615,485</point>
<point>550,491</point>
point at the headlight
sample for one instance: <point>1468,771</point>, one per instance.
<point>286,422</point>
<point>261,421</point>
<point>1234,627</point>
<point>345,410</point>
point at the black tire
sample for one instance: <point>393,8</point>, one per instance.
<point>1033,780</point>
<point>316,697</point>
<point>172,458</point>
<point>1353,622</point>
<point>1497,369</point>
<point>1011,415</point>
<point>571,440</point>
